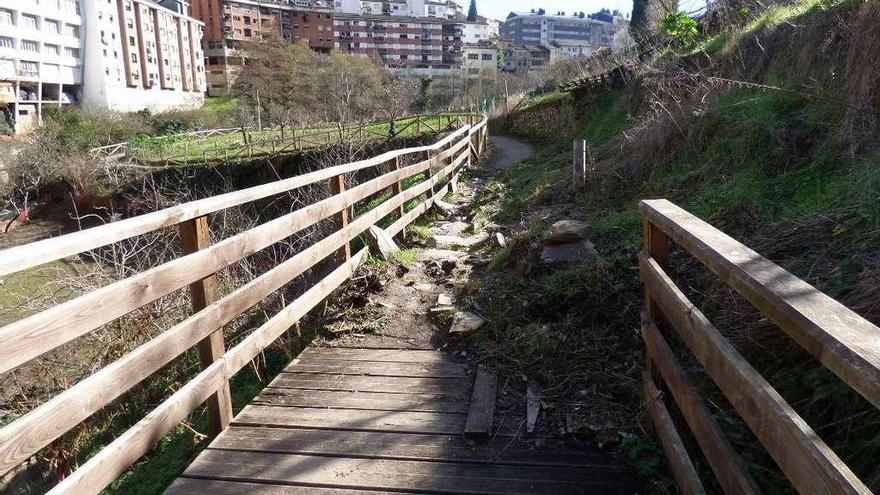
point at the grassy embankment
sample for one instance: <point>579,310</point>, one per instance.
<point>769,166</point>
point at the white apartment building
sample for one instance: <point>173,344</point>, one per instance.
<point>122,55</point>
<point>475,32</point>
<point>142,55</point>
<point>40,58</point>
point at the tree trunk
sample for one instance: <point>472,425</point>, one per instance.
<point>646,17</point>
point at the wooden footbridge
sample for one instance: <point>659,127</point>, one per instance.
<point>353,421</point>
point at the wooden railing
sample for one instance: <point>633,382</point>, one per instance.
<point>33,336</point>
<point>194,148</point>
<point>842,341</point>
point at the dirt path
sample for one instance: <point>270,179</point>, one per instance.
<point>507,152</point>
<point>411,308</point>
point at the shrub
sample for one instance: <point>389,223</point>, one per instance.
<point>681,28</point>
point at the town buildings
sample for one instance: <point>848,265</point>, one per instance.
<point>519,59</point>
<point>108,54</point>
<point>425,45</point>
<point>481,57</point>
<point>231,24</point>
<point>571,35</point>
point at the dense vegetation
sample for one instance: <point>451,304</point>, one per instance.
<point>761,128</point>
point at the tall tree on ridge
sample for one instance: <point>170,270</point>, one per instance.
<point>472,11</point>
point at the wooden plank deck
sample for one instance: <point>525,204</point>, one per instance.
<point>353,421</point>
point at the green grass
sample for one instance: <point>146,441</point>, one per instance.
<point>35,284</point>
<point>185,149</point>
<point>544,99</point>
<point>774,155</point>
<point>405,256</point>
<point>607,117</point>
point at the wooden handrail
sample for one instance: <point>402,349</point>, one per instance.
<point>304,132</point>
<point>37,253</point>
<point>32,336</point>
<point>843,341</point>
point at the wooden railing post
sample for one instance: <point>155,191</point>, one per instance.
<point>337,186</point>
<point>195,235</point>
<point>579,162</point>
<point>656,243</point>
<point>396,189</point>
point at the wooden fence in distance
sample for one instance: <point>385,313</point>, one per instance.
<point>33,336</point>
<point>842,341</point>
<point>203,146</point>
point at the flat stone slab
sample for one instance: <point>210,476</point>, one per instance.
<point>574,253</point>
<point>466,322</point>
<point>454,241</point>
<point>439,254</point>
<point>567,231</point>
<point>450,228</point>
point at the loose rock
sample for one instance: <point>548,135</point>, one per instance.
<point>575,253</point>
<point>466,322</point>
<point>566,231</point>
<point>453,241</point>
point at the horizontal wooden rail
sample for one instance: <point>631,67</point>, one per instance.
<point>113,460</point>
<point>20,258</point>
<point>32,336</point>
<point>680,463</point>
<point>843,341</point>
<point>810,465</point>
<point>731,473</point>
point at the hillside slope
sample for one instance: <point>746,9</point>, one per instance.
<point>768,130</point>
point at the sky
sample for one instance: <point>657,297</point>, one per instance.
<point>498,9</point>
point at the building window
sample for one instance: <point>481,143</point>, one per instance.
<point>134,58</point>
<point>28,68</point>
<point>71,52</point>
<point>30,46</point>
<point>71,30</point>
<point>51,26</point>
<point>28,21</point>
<point>131,41</point>
<point>473,56</point>
<point>6,42</point>
<point>487,56</point>
<point>5,16</point>
<point>247,33</point>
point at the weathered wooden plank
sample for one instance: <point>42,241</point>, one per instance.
<point>196,486</point>
<point>730,472</point>
<point>394,385</point>
<point>379,355</point>
<point>481,413</point>
<point>406,446</point>
<point>32,336</point>
<point>384,474</point>
<point>683,470</point>
<point>114,459</point>
<point>361,400</point>
<point>340,367</point>
<point>810,465</point>
<point>33,431</point>
<point>351,419</point>
<point>37,253</point>
<point>840,339</point>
